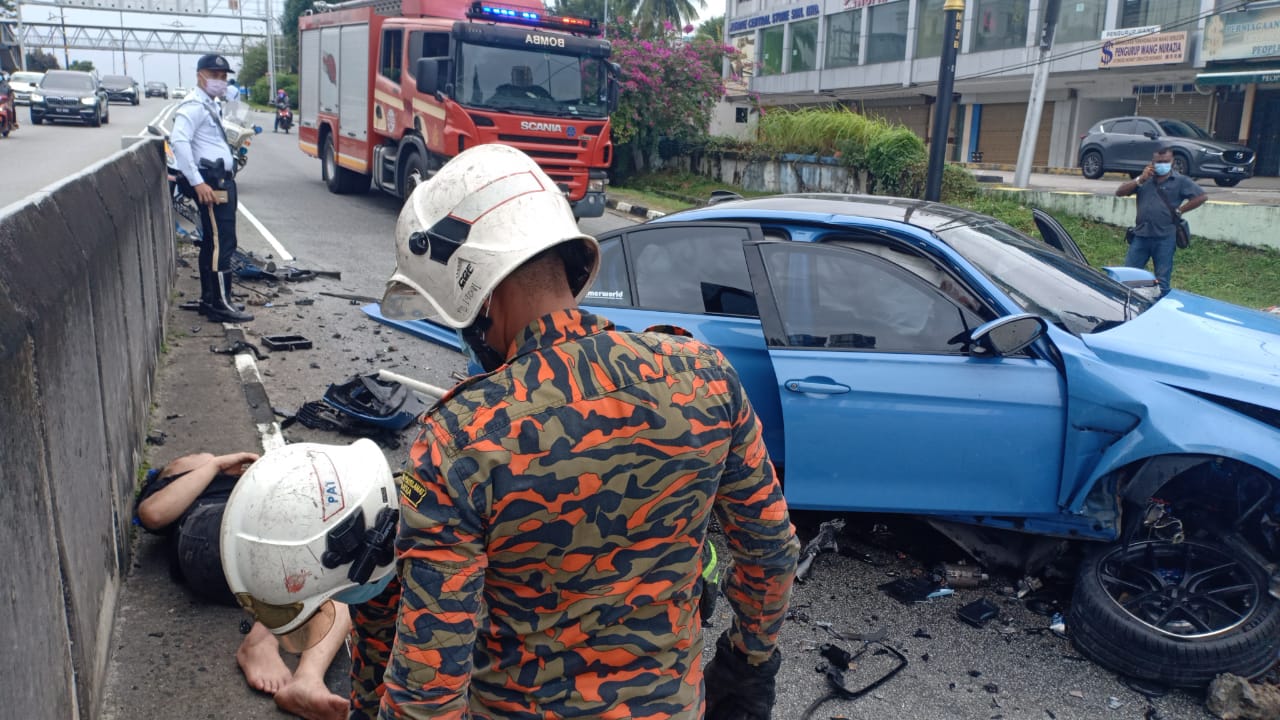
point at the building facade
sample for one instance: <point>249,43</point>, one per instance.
<point>1212,62</point>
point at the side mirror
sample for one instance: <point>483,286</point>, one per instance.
<point>427,74</point>
<point>614,71</point>
<point>155,130</point>
<point>1133,277</point>
<point>1007,335</point>
<point>1151,135</point>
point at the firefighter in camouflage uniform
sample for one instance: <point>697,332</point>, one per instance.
<point>551,532</point>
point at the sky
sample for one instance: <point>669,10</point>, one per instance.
<point>175,69</point>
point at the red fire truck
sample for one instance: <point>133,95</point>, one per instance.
<point>391,89</point>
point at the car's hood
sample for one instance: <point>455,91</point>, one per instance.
<point>1218,145</point>
<point>1197,343</point>
<point>22,86</point>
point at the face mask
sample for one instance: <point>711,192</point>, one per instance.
<point>215,88</point>
<point>360,594</point>
<point>1163,168</point>
<point>479,354</point>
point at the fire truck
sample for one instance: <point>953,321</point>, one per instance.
<point>389,90</point>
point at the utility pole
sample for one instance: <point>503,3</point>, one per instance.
<point>124,61</point>
<point>271,54</point>
<point>1039,81</point>
<point>22,48</point>
<point>66,54</point>
<point>952,17</point>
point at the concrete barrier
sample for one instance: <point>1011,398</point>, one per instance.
<point>86,267</point>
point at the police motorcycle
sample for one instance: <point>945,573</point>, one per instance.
<point>239,131</point>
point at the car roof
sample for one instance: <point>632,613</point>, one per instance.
<point>79,73</point>
<point>833,208</point>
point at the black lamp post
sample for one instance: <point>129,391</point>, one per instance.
<point>952,14</point>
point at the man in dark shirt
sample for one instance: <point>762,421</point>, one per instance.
<point>1162,194</point>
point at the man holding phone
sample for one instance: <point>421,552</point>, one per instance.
<point>1163,197</point>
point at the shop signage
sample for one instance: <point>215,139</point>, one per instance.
<point>1127,32</point>
<point>1242,35</point>
<point>855,4</point>
<point>1159,49</point>
<point>773,18</point>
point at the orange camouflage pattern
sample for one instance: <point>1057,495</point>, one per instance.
<point>551,533</point>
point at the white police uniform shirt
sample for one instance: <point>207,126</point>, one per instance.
<point>198,135</point>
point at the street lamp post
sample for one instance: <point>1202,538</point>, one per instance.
<point>952,12</point>
<point>62,19</point>
<point>22,48</point>
<point>142,59</point>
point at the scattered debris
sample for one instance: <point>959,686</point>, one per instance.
<point>940,593</point>
<point>1028,585</point>
<point>1114,703</point>
<point>920,633</point>
<point>173,416</point>
<point>352,298</point>
<point>156,438</point>
<point>978,612</point>
<point>991,688</point>
<point>909,590</point>
<point>190,305</point>
<point>305,301</point>
<point>1058,626</point>
<point>828,533</point>
<point>1232,697</point>
<point>841,661</point>
<point>1147,688</point>
<point>236,348</point>
<point>959,575</point>
<point>286,342</point>
<point>1076,694</point>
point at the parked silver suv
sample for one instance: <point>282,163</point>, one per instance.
<point>1125,144</point>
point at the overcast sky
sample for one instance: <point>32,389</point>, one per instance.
<point>171,68</point>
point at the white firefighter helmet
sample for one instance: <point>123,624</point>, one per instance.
<point>306,522</point>
<point>461,233</point>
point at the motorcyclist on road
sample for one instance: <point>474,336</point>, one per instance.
<point>283,114</point>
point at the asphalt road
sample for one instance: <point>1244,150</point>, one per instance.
<point>1011,668</point>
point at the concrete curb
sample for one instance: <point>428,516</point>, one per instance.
<point>637,210</point>
<point>255,393</point>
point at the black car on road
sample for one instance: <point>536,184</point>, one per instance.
<point>155,88</point>
<point>70,95</point>
<point>1125,144</point>
<point>122,88</point>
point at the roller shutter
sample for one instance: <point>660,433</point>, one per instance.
<point>1000,133</point>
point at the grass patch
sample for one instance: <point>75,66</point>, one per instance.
<point>1234,273</point>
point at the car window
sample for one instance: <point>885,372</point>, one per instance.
<point>1178,128</point>
<point>73,82</point>
<point>1125,127</point>
<point>26,77</point>
<point>845,299</point>
<point>1146,126</point>
<point>692,270</point>
<point>612,285</point>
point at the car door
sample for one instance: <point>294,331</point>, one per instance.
<point>1124,147</point>
<point>1056,236</point>
<point>882,407</point>
<point>692,276</point>
<point>1149,138</point>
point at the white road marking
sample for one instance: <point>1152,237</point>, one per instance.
<point>262,229</point>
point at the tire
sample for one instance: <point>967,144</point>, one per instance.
<point>339,180</point>
<point>97,119</point>
<point>1226,182</point>
<point>106,117</point>
<point>4,129</point>
<point>1091,165</point>
<point>36,120</point>
<point>1181,165</point>
<point>1242,638</point>
<point>413,174</point>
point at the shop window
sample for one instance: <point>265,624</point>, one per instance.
<point>929,28</point>
<point>1166,13</point>
<point>843,31</point>
<point>771,50</point>
<point>804,45</point>
<point>392,54</point>
<point>1079,20</point>
<point>1000,24</point>
<point>887,41</point>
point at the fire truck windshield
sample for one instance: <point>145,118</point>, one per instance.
<point>536,82</point>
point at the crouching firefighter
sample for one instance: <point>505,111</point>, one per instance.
<point>308,534</point>
<point>204,163</point>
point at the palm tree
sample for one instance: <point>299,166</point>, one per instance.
<point>650,14</point>
<point>712,28</point>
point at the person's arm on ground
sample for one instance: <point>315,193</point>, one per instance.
<point>440,550</point>
<point>167,504</point>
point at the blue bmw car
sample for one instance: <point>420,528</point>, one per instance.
<point>912,357</point>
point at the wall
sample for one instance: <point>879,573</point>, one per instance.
<point>85,272</point>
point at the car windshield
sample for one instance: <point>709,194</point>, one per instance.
<point>117,80</point>
<point>502,78</point>
<point>26,77</point>
<point>1179,128</point>
<point>1043,281</point>
<point>153,84</point>
<point>73,82</point>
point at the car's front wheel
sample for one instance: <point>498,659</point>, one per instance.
<point>1226,182</point>
<point>1180,164</point>
<point>1178,613</point>
<point>1091,165</point>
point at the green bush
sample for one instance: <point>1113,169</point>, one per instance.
<point>261,93</point>
<point>891,154</point>
<point>820,131</point>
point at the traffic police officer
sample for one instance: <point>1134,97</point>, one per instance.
<point>204,159</point>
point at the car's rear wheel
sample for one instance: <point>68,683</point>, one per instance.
<point>1226,182</point>
<point>1176,613</point>
<point>339,180</point>
<point>1091,165</point>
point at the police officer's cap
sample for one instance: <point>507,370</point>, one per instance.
<point>213,62</point>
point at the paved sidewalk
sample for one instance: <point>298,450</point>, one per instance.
<point>171,655</point>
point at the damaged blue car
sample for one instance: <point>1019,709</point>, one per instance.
<point>912,357</point>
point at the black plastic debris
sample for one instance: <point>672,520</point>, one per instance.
<point>910,590</point>
<point>979,612</point>
<point>920,633</point>
<point>286,342</point>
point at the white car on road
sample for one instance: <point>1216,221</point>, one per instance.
<point>23,83</point>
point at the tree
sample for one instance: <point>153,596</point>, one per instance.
<point>81,65</point>
<point>40,61</point>
<point>650,15</point>
<point>669,87</point>
<point>712,29</point>
<point>584,8</point>
<point>253,65</point>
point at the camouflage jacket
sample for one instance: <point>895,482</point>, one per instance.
<point>551,533</point>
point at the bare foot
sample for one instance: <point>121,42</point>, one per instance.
<point>309,698</point>
<point>259,659</point>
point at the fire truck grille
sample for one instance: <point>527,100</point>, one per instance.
<point>537,140</point>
